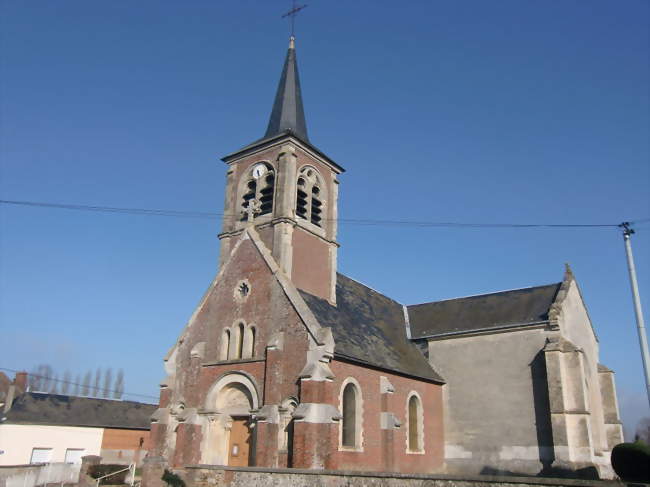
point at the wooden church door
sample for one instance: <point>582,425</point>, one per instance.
<point>240,440</point>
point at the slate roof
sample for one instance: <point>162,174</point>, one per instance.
<point>287,115</point>
<point>60,410</point>
<point>288,112</point>
<point>486,311</point>
<point>370,328</point>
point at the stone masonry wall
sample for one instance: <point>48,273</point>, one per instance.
<point>201,476</point>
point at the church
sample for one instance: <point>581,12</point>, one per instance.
<point>286,363</point>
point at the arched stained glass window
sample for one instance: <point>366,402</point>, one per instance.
<point>349,421</point>
<point>240,341</point>
<point>225,344</point>
<point>415,424</point>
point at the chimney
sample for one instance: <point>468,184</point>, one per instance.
<point>20,382</point>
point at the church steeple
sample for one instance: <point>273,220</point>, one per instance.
<point>288,114</point>
<point>286,189</point>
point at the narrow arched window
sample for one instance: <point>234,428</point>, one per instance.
<point>266,194</point>
<point>316,206</point>
<point>249,342</point>
<point>240,341</point>
<point>225,344</point>
<point>349,421</point>
<point>301,199</point>
<point>309,196</point>
<point>415,423</point>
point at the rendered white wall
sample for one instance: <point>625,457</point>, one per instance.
<point>17,441</point>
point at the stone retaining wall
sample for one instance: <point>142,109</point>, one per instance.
<point>216,476</point>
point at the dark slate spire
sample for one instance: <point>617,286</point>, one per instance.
<point>288,114</point>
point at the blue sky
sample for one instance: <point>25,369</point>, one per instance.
<point>467,111</point>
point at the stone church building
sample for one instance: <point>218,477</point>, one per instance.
<point>288,363</point>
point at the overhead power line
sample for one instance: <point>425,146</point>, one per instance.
<point>351,221</point>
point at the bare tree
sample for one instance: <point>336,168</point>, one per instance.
<point>44,379</point>
<point>85,388</point>
<point>34,380</point>
<point>98,379</point>
<point>65,383</point>
<point>54,384</point>
<point>108,380</point>
<point>41,378</point>
<point>119,385</point>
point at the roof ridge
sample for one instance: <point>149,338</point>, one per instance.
<point>370,287</point>
<point>486,294</point>
<point>73,396</point>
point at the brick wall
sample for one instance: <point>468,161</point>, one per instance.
<point>387,449</point>
<point>124,446</point>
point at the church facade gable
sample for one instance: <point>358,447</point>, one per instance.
<point>225,364</point>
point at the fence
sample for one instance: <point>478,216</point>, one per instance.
<point>39,474</point>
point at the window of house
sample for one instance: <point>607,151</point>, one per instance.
<point>258,185</point>
<point>73,455</point>
<point>309,196</point>
<point>41,455</point>
<point>351,416</point>
<point>415,424</point>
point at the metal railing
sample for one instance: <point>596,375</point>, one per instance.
<point>130,468</point>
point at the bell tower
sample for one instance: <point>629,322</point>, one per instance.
<point>288,190</point>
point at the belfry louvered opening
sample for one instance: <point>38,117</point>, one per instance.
<point>309,200</point>
<point>259,187</point>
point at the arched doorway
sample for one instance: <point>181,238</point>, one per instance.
<point>229,433</point>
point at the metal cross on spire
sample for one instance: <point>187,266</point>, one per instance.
<point>292,15</point>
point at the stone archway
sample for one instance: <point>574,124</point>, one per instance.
<point>229,433</point>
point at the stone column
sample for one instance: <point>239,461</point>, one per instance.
<point>230,205</point>
<point>613,426</point>
<point>316,418</point>
<point>153,468</point>
<point>267,418</point>
<point>266,440</point>
<point>315,430</point>
<point>285,207</point>
<point>568,402</point>
<point>388,423</point>
<point>286,182</point>
<point>85,480</point>
<point>333,230</point>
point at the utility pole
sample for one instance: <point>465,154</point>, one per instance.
<point>643,340</point>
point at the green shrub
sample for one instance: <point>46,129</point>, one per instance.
<point>631,461</point>
<point>96,471</point>
<point>172,479</point>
